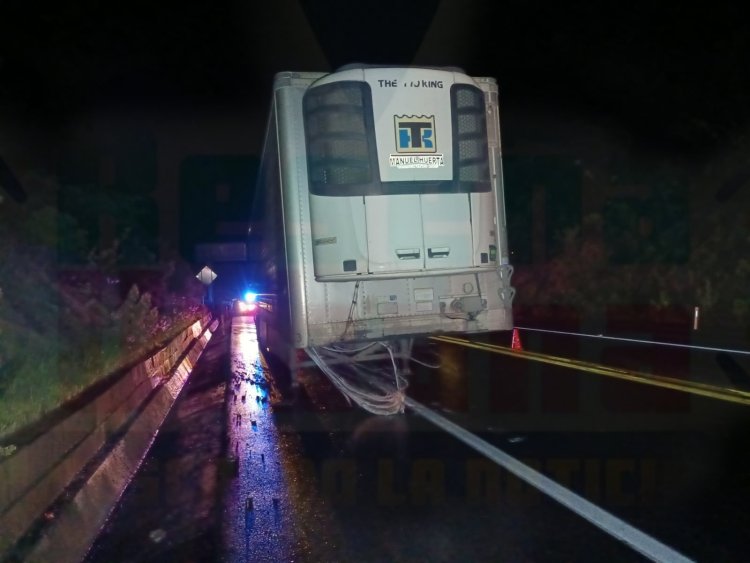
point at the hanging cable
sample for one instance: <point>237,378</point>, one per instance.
<point>344,350</point>
<point>352,308</point>
<point>371,389</point>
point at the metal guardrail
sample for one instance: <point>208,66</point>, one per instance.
<point>39,472</point>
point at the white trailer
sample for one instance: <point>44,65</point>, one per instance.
<point>383,209</point>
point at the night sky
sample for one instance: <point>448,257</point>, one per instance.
<point>673,79</point>
<point>676,74</point>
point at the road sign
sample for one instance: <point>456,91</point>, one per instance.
<point>206,275</point>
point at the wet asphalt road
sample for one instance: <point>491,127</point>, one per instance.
<point>322,481</point>
<point>272,510</point>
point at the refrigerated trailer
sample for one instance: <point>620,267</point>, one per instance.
<point>383,209</point>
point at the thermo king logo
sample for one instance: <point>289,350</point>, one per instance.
<point>415,142</point>
<point>415,133</point>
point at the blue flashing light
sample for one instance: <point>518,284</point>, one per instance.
<point>250,297</point>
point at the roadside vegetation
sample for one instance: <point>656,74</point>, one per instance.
<point>73,311</point>
<point>686,245</point>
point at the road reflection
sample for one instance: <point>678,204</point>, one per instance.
<point>271,509</point>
